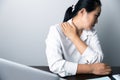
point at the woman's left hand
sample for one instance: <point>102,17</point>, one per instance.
<point>69,30</point>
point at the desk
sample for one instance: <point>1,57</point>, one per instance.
<point>115,70</point>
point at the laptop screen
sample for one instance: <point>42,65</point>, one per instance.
<point>14,71</point>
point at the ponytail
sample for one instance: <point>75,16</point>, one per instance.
<point>89,5</point>
<point>68,14</point>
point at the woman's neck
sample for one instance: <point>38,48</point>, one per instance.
<point>74,23</point>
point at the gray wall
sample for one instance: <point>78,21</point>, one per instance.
<point>108,31</point>
<point>24,25</point>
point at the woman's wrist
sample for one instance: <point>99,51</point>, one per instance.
<point>91,68</point>
<point>74,38</point>
<point>84,68</point>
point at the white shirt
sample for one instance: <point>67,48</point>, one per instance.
<point>62,55</point>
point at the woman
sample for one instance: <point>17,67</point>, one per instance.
<point>73,46</point>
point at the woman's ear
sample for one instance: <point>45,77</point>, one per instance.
<point>82,12</point>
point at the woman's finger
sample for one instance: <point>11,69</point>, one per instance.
<point>63,27</point>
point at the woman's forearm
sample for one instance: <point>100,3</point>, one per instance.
<point>80,45</point>
<point>84,68</point>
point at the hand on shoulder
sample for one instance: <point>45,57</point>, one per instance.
<point>69,30</point>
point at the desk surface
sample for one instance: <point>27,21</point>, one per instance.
<point>115,70</point>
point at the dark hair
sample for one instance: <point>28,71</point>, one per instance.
<point>89,5</point>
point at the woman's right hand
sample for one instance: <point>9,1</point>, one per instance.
<point>69,30</point>
<point>100,69</point>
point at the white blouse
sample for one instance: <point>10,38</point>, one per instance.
<point>62,55</point>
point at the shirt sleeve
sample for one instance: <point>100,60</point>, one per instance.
<point>54,55</point>
<point>93,53</point>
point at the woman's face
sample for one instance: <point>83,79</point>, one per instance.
<point>91,18</point>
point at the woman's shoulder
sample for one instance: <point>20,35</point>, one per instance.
<point>56,28</point>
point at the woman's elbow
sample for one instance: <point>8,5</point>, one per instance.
<point>58,68</point>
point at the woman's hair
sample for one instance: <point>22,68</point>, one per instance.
<point>89,5</point>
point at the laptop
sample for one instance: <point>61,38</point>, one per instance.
<point>10,70</point>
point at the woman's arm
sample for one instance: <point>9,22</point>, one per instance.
<point>57,64</point>
<point>92,52</point>
<point>71,33</point>
<point>96,68</point>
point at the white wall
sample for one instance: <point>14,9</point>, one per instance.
<point>23,28</point>
<point>24,25</point>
